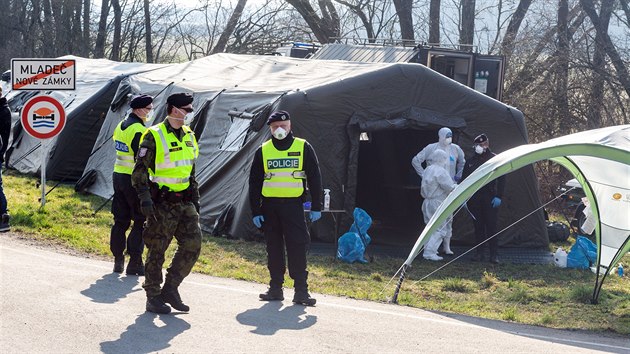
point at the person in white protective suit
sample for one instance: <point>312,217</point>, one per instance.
<point>437,183</point>
<point>455,167</point>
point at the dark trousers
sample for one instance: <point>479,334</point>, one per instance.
<point>485,223</point>
<point>285,225</point>
<point>3,198</point>
<point>126,207</point>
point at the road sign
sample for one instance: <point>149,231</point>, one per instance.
<point>43,117</point>
<point>43,74</point>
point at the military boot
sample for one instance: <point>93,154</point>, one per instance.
<point>135,266</point>
<point>119,264</point>
<point>302,297</point>
<point>4,223</point>
<point>272,294</point>
<point>171,296</point>
<point>155,304</point>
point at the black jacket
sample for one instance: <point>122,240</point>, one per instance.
<point>490,190</point>
<point>5,126</point>
<point>311,167</point>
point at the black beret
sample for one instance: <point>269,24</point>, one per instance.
<point>278,116</point>
<point>140,101</point>
<point>180,99</point>
<point>482,138</point>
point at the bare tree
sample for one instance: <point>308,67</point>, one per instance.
<point>434,22</point>
<point>404,11</point>
<point>324,27</point>
<point>101,35</point>
<point>219,47</point>
<point>507,46</point>
<point>148,43</point>
<point>467,29</point>
<point>115,54</point>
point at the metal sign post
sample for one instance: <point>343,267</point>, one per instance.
<point>43,180</point>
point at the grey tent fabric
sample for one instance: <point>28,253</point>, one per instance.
<point>400,106</point>
<point>67,153</point>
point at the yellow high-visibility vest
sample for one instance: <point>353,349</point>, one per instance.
<point>122,142</point>
<point>284,173</point>
<point>174,159</point>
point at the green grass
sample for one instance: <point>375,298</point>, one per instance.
<point>533,294</point>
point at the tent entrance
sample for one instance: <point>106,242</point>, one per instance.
<point>388,187</point>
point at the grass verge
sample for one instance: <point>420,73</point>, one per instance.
<point>532,294</point>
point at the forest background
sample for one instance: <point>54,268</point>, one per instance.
<point>567,60</point>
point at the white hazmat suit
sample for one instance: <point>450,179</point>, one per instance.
<point>455,167</point>
<point>436,185</point>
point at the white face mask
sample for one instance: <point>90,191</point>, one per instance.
<point>189,118</point>
<point>280,133</point>
<point>479,149</point>
<point>150,116</point>
<point>448,140</point>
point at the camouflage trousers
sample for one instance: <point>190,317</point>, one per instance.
<point>171,219</point>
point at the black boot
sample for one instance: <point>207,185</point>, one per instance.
<point>171,296</point>
<point>272,294</point>
<point>119,264</point>
<point>302,297</point>
<point>135,266</point>
<point>4,223</point>
<point>155,304</point>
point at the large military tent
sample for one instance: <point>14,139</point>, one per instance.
<point>67,153</point>
<point>365,120</point>
<point>599,159</point>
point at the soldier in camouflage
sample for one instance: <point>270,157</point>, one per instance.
<point>164,177</point>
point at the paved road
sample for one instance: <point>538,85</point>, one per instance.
<point>56,302</point>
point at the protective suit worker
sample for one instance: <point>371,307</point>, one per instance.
<point>484,205</point>
<point>437,183</point>
<point>455,167</point>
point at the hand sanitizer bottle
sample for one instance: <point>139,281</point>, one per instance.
<point>326,199</point>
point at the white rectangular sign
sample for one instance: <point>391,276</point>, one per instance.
<point>43,74</point>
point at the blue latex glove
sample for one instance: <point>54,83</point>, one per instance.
<point>457,179</point>
<point>258,220</point>
<point>315,215</point>
<point>496,202</point>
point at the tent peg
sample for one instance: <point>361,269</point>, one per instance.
<point>394,299</point>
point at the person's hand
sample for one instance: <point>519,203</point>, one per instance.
<point>496,202</point>
<point>315,215</point>
<point>258,220</point>
<point>457,179</point>
<point>146,203</point>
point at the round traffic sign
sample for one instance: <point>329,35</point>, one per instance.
<point>43,117</point>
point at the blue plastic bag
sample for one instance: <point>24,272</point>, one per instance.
<point>583,254</point>
<point>351,246</point>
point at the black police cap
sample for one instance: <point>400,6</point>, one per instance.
<point>481,138</point>
<point>140,101</point>
<point>278,116</point>
<point>180,99</point>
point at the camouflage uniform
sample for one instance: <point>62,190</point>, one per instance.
<point>179,219</point>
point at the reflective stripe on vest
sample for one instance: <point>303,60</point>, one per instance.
<point>122,142</point>
<point>174,159</point>
<point>284,173</point>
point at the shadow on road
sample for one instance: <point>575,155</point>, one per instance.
<point>111,287</point>
<point>149,333</point>
<point>272,317</point>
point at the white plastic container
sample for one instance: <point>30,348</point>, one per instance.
<point>326,199</point>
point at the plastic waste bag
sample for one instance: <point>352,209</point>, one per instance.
<point>352,245</point>
<point>582,254</point>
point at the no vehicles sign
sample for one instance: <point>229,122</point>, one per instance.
<point>43,117</point>
<point>43,74</point>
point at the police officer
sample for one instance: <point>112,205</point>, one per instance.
<point>484,204</point>
<point>125,205</point>
<point>164,177</point>
<point>277,184</point>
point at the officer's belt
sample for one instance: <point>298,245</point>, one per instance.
<point>283,200</point>
<point>294,174</point>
